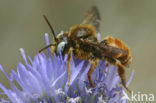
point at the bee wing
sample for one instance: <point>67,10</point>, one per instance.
<point>105,50</point>
<point>92,17</point>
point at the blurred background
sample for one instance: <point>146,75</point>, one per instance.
<point>133,21</point>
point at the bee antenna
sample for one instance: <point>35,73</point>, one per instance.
<point>51,28</point>
<point>46,47</point>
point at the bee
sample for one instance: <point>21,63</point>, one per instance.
<point>81,41</point>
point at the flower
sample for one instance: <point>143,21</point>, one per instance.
<point>44,80</point>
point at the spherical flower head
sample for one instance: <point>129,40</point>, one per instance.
<point>44,80</point>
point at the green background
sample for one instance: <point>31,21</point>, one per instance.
<point>133,21</point>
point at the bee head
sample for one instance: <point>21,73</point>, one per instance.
<point>62,42</point>
<point>59,43</point>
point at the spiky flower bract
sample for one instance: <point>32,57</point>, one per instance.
<point>44,80</point>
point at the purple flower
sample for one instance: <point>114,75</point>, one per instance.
<point>44,80</point>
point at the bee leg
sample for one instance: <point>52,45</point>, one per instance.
<point>121,72</point>
<point>91,70</point>
<point>68,65</point>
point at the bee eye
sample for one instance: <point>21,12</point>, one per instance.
<point>60,47</point>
